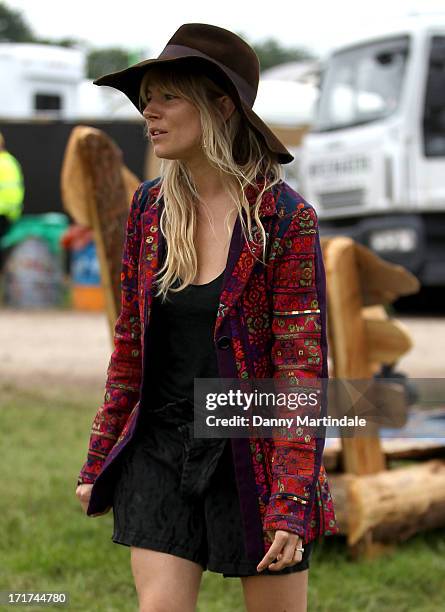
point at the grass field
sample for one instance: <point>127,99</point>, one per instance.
<point>48,544</point>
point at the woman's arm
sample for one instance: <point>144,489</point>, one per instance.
<point>299,351</point>
<point>125,367</point>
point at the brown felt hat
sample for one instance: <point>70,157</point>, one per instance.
<point>223,56</point>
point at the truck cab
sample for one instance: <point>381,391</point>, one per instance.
<point>373,162</point>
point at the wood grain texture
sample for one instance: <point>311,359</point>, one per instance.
<point>96,191</point>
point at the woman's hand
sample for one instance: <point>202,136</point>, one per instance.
<point>284,549</point>
<point>83,492</point>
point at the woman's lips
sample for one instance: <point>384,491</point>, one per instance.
<point>156,136</point>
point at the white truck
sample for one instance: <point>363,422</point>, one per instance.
<point>39,81</point>
<point>49,82</point>
<point>373,162</point>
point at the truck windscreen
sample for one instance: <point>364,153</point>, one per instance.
<point>434,111</point>
<point>362,84</point>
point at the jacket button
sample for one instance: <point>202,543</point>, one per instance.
<point>223,342</point>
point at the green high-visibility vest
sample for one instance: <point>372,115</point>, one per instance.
<point>12,189</point>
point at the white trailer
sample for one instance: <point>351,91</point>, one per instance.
<point>373,162</point>
<point>39,80</point>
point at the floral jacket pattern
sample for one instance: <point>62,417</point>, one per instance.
<point>271,323</point>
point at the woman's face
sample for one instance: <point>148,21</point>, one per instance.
<point>179,122</point>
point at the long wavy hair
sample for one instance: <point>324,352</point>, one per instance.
<point>231,146</point>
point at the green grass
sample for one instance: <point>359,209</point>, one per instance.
<point>48,544</point>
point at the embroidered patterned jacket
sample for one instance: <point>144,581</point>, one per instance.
<point>271,323</point>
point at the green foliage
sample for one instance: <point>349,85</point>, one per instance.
<point>61,42</point>
<point>272,53</point>
<point>13,26</point>
<point>103,61</point>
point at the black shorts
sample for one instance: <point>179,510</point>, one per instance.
<point>150,512</point>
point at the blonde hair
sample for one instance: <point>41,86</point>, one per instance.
<point>231,146</point>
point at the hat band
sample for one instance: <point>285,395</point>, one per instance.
<point>246,91</point>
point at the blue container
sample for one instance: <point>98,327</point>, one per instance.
<point>85,266</point>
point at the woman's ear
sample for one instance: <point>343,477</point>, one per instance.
<point>226,106</point>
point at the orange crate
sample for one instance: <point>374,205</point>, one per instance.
<point>88,297</point>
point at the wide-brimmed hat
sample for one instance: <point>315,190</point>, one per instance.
<point>220,54</point>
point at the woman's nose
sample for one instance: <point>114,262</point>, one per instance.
<point>151,110</point>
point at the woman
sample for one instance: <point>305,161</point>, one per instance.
<point>222,278</point>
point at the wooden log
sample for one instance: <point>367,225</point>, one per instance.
<point>393,504</point>
<point>409,448</point>
<point>361,339</point>
<point>394,449</point>
<point>348,345</point>
<point>108,205</point>
<point>75,183</point>
<point>375,313</point>
<point>387,340</point>
<point>347,327</point>
<point>101,197</point>
<point>363,455</point>
<point>366,547</point>
<point>382,282</point>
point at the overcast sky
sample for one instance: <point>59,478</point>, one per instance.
<point>135,24</point>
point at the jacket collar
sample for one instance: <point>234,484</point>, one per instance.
<point>242,255</point>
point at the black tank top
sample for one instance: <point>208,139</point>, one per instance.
<point>183,347</point>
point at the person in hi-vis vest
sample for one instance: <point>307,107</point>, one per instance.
<point>12,189</point>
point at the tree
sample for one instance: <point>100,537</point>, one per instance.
<point>103,61</point>
<point>271,53</point>
<point>60,42</point>
<point>13,27</point>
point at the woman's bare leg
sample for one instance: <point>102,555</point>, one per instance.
<point>282,593</point>
<point>164,582</point>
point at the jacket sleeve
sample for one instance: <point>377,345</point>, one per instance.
<point>299,351</point>
<point>125,366</point>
